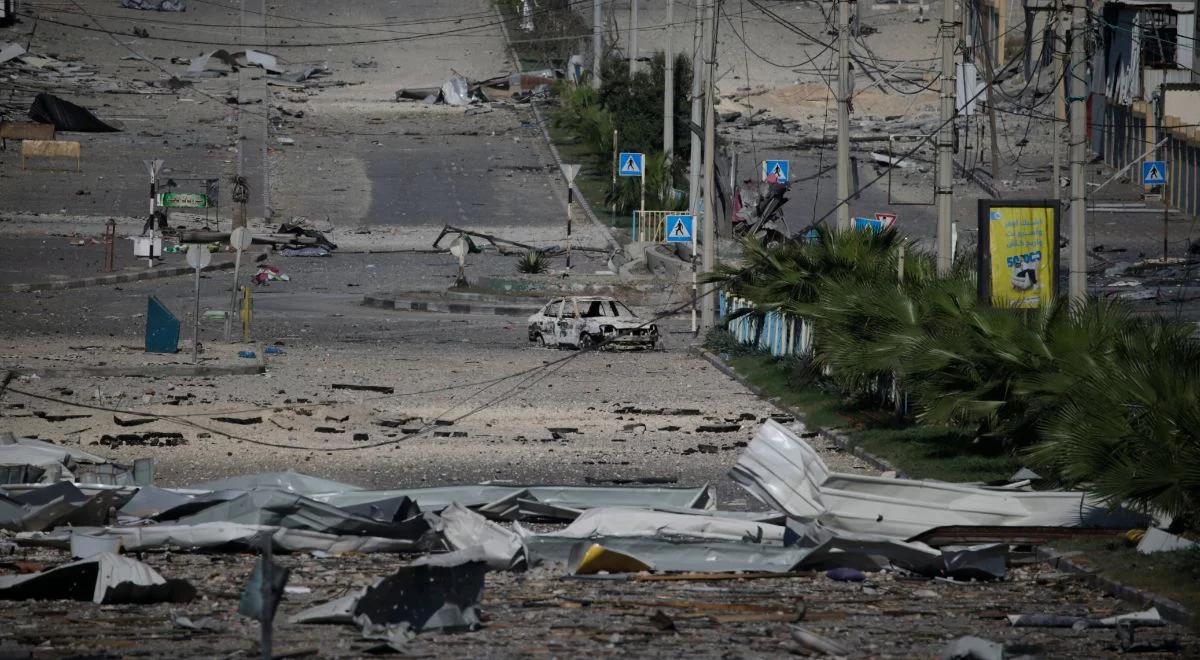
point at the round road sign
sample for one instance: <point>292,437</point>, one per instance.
<point>240,238</point>
<point>198,256</point>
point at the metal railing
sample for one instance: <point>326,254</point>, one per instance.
<point>781,334</point>
<point>650,226</point>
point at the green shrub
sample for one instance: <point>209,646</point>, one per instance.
<point>533,263</point>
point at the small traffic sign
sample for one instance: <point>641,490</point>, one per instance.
<point>240,238</point>
<point>680,228</point>
<point>630,163</point>
<point>780,168</point>
<point>199,257</point>
<point>873,225</point>
<point>1154,173</point>
<point>570,171</point>
<point>886,220</point>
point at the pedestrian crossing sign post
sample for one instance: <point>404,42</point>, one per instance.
<point>631,164</point>
<point>780,168</point>
<point>1154,173</point>
<point>680,228</point>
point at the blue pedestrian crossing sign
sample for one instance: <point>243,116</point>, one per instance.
<point>1154,172</point>
<point>630,163</point>
<point>680,228</point>
<point>780,168</point>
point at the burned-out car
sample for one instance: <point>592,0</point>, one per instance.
<point>587,322</point>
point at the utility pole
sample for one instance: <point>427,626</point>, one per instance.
<point>708,307</point>
<point>1076,94</point>
<point>694,151</point>
<point>633,30</point>
<point>669,88</point>
<point>697,77</point>
<point>990,71</point>
<point>597,42</point>
<point>945,144</point>
<point>1059,55</point>
<point>843,139</point>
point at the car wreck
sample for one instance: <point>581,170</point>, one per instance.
<point>590,322</point>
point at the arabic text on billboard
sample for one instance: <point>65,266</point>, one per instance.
<point>1021,244</point>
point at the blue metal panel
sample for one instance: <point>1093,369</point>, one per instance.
<point>162,328</point>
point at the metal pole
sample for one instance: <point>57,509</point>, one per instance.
<point>233,295</point>
<point>597,43</point>
<point>633,30</point>
<point>707,305</point>
<point>695,152</point>
<point>843,141</point>
<point>268,612</point>
<point>1076,96</point>
<point>945,144</point>
<point>1163,154</point>
<point>612,220</point>
<point>642,178</point>
<point>570,199</point>
<point>669,88</point>
<point>196,322</point>
<point>990,73</point>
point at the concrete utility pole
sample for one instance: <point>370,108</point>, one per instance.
<point>945,145</point>
<point>708,305</point>
<point>669,88</point>
<point>1075,96</point>
<point>843,142</point>
<point>597,42</point>
<point>1059,56</point>
<point>697,77</point>
<point>633,30</point>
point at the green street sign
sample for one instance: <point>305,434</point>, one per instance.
<point>184,200</point>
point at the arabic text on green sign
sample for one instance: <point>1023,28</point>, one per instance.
<point>184,200</point>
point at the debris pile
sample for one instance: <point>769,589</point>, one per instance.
<point>843,525</point>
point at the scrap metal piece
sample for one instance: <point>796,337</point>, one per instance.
<point>103,579</point>
<point>339,610</point>
<point>1146,618</point>
<point>294,482</point>
<point>633,522</point>
<point>230,536</point>
<point>819,643</point>
<point>475,538</point>
<point>504,498</point>
<point>671,555</point>
<point>66,116</point>
<point>782,470</point>
<point>288,510</point>
<point>972,648</point>
<point>425,598</point>
<point>590,559</point>
<point>1157,540</point>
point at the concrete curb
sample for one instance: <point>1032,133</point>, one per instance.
<point>448,306</point>
<point>115,278</point>
<point>1169,609</point>
<point>541,122</point>
<point>845,444</point>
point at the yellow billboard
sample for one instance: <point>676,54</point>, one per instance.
<point>1018,253</point>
